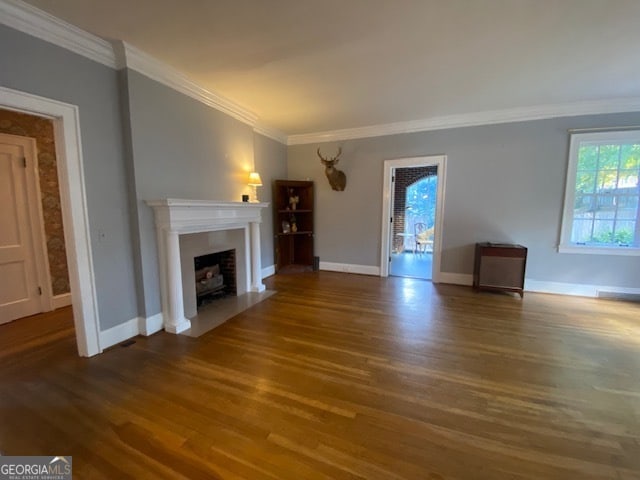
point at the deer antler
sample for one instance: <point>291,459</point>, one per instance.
<point>333,160</point>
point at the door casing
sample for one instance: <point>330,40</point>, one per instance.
<point>440,162</point>
<point>66,127</point>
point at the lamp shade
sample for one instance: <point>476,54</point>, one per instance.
<point>254,179</point>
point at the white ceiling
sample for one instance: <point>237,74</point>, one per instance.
<point>307,66</point>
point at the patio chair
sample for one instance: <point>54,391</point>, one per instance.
<point>423,238</point>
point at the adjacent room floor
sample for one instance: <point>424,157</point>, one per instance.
<point>341,376</point>
<point>410,264</point>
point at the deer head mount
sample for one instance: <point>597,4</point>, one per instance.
<point>337,178</point>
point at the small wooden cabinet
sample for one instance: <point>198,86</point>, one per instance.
<point>500,266</point>
<point>293,225</point>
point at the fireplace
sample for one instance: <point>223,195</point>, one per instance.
<point>215,276</point>
<point>189,228</point>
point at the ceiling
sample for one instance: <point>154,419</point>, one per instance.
<point>308,66</point>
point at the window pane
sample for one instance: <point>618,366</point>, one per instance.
<point>607,179</point>
<point>630,157</point>
<point>586,182</point>
<point>605,214</point>
<point>605,201</point>
<point>588,157</point>
<point>602,231</point>
<point>584,203</point>
<point>581,232</point>
<point>627,207</point>
<point>624,233</point>
<point>628,179</point>
<point>581,215</point>
<point>609,156</point>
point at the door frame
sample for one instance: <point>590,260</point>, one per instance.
<point>35,219</point>
<point>66,127</point>
<point>440,162</point>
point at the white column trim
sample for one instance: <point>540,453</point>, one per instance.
<point>256,270</point>
<point>174,320</point>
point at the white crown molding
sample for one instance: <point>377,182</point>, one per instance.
<point>32,21</point>
<point>271,133</point>
<point>615,105</point>
<point>35,22</point>
<point>137,60</point>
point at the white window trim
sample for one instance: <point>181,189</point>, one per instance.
<point>565,245</point>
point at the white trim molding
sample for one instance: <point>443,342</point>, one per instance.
<point>523,114</point>
<point>576,289</point>
<point>269,132</point>
<point>33,21</point>
<point>119,333</point>
<point>59,301</point>
<point>543,286</point>
<point>135,59</point>
<point>388,189</point>
<point>175,217</point>
<point>578,140</point>
<point>150,325</point>
<point>66,125</point>
<point>350,268</point>
<point>268,271</point>
<point>37,23</point>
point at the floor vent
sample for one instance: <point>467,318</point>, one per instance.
<point>628,297</point>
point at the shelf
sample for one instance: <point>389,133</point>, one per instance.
<point>293,251</point>
<point>305,232</point>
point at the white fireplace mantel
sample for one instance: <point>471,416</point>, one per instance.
<point>178,216</point>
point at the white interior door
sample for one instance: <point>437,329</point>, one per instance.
<point>20,290</point>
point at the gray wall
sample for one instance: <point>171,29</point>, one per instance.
<point>271,162</point>
<point>504,183</point>
<point>140,141</point>
<point>182,148</point>
<point>34,66</point>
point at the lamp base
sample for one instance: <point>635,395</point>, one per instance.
<point>253,198</point>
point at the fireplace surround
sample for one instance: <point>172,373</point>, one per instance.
<point>238,222</point>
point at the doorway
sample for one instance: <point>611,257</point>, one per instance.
<point>66,125</point>
<point>413,203</point>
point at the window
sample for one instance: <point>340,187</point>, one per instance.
<point>601,212</point>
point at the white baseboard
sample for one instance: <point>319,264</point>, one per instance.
<point>456,278</point>
<point>129,329</point>
<point>59,301</point>
<point>350,268</point>
<point>541,286</point>
<point>119,333</point>
<point>577,289</point>
<point>150,325</point>
<point>268,271</point>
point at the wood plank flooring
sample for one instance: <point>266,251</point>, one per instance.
<point>341,376</point>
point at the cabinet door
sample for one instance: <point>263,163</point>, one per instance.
<point>501,272</point>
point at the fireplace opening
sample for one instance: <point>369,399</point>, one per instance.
<point>215,276</point>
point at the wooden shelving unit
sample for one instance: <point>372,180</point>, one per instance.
<point>293,225</point>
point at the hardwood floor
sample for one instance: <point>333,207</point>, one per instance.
<point>341,377</point>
